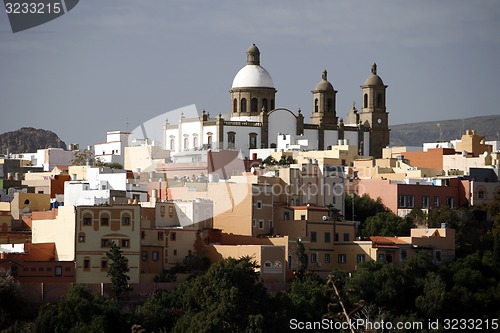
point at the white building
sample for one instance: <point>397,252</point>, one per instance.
<point>255,122</point>
<point>103,186</point>
<point>113,150</point>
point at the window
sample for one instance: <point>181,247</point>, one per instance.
<point>175,252</point>
<point>231,140</point>
<point>144,255</point>
<point>336,236</point>
<point>58,271</point>
<point>209,141</point>
<point>81,238</point>
<point>438,255</point>
<point>272,104</point>
<point>302,217</point>
<point>313,237</point>
<point>126,220</point>
<point>87,221</point>
<point>327,237</point>
<point>160,235</point>
<point>436,202</point>
<point>365,100</point>
<point>86,264</point>
<point>243,105</point>
<point>235,105</point>
<point>261,224</point>
<point>125,243</point>
<point>360,258</point>
<point>143,234</point>
<point>172,144</point>
<point>313,257</point>
<point>104,220</point>
<point>379,100</point>
<point>346,236</point>
<point>104,242</point>
<point>425,201</point>
<point>252,144</point>
<point>155,255</point>
<point>316,105</point>
<point>253,105</point>
<point>381,256</point>
<point>410,200</point>
<point>327,258</point>
<point>480,194</point>
<point>186,143</point>
<point>259,204</point>
<point>450,201</point>
<point>268,264</point>
<point>329,107</point>
<point>286,216</point>
<point>195,142</point>
<point>104,264</point>
<point>173,236</point>
<point>264,104</point>
<point>404,254</point>
<point>254,223</point>
<point>341,258</point>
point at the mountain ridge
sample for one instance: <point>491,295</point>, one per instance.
<point>415,134</point>
<point>29,140</point>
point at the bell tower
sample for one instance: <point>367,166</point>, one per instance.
<point>324,101</point>
<point>374,114</point>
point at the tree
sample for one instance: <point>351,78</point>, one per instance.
<point>156,313</point>
<point>364,207</point>
<point>117,270</point>
<point>227,298</point>
<point>386,224</point>
<point>301,257</point>
<point>85,157</point>
<point>80,311</point>
<point>9,298</point>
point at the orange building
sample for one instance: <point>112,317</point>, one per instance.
<point>430,159</point>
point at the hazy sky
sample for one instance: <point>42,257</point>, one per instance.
<point>108,63</point>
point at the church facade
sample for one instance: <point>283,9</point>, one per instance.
<point>255,121</point>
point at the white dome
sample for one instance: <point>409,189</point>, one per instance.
<point>253,76</point>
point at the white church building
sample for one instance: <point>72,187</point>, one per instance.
<point>255,122</point>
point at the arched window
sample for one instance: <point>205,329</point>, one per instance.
<point>243,105</point>
<point>195,142</point>
<point>186,143</point>
<point>316,106</point>
<point>209,139</point>
<point>379,100</point>
<point>231,140</point>
<point>365,101</point>
<point>264,104</point>
<point>272,104</point>
<point>252,144</point>
<point>172,144</point>
<point>235,105</point>
<point>253,105</point>
<point>329,105</point>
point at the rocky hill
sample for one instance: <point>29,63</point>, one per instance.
<point>28,140</point>
<point>431,131</point>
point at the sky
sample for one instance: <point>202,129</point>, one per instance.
<point>116,64</point>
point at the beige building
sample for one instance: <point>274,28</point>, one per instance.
<point>24,203</point>
<point>81,234</point>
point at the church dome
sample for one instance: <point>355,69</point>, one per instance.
<point>253,74</point>
<point>324,84</point>
<point>374,79</point>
